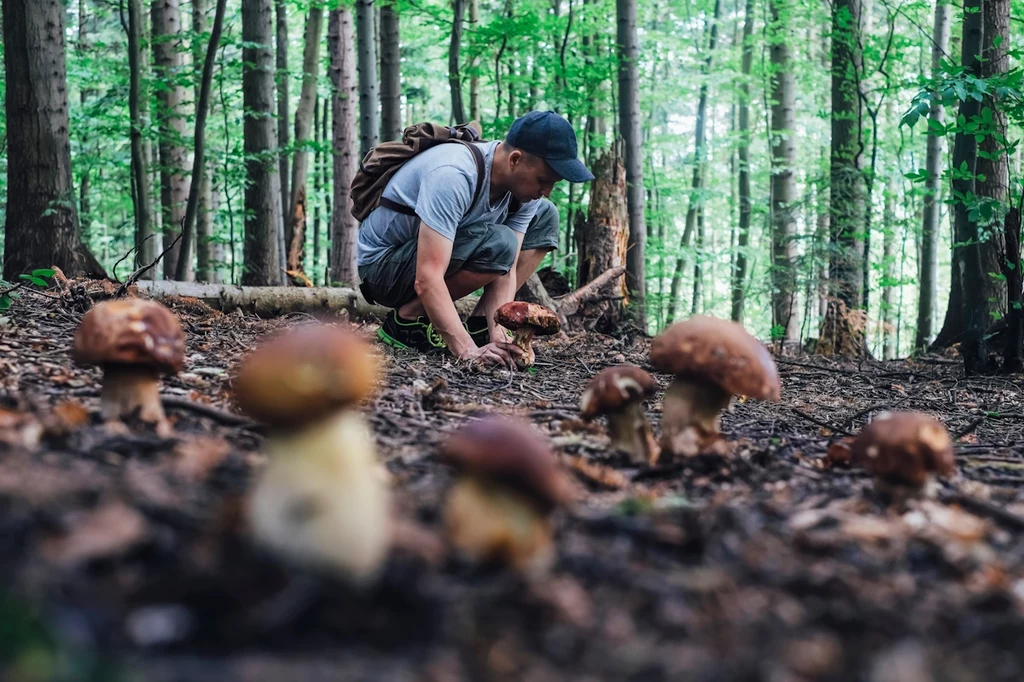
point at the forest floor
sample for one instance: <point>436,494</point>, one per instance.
<point>122,554</point>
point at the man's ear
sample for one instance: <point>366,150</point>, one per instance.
<point>515,158</point>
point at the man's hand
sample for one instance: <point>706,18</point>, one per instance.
<point>504,354</point>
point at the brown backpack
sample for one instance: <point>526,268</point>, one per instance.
<point>382,162</point>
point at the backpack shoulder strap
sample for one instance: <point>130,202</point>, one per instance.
<point>478,157</point>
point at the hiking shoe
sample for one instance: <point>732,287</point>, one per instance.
<point>476,325</point>
<point>418,334</point>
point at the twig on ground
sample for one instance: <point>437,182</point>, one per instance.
<point>983,508</point>
<point>134,277</point>
<point>823,424</point>
<point>211,411</point>
<point>969,428</point>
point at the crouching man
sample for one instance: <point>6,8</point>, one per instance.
<point>453,245</point>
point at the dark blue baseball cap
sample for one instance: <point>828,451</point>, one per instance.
<point>552,138</point>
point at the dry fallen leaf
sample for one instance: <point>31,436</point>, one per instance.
<point>19,429</point>
<point>198,456</point>
<point>108,530</point>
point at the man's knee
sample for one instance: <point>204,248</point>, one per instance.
<point>495,252</point>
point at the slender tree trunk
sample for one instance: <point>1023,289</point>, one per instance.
<point>367,67</point>
<point>205,269</point>
<point>326,180</point>
<point>262,188</point>
<point>889,227</point>
<point>629,123</point>
<point>199,150</point>
<point>296,234</point>
<point>42,223</point>
<point>929,266</point>
<point>783,183</point>
<point>698,166</point>
<point>973,347</point>
<point>84,210</point>
<point>283,105</point>
<point>317,188</point>
<point>174,183</point>
<point>454,78</point>
<point>739,278</point>
<point>140,162</point>
<point>698,263</point>
<point>341,43</point>
<point>390,76</point>
<point>474,65</point>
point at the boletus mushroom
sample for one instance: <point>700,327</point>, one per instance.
<point>134,341</point>
<point>321,499</point>
<point>711,360</point>
<point>619,393</point>
<point>904,451</point>
<point>500,508</point>
<point>527,320</point>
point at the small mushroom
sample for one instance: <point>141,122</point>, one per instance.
<point>134,341</point>
<point>527,320</point>
<point>712,360</point>
<point>500,508</point>
<point>321,500</point>
<point>904,451</point>
<point>619,393</point>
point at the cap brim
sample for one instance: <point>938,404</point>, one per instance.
<point>572,170</point>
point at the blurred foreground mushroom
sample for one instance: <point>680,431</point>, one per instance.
<point>712,360</point>
<point>134,341</point>
<point>904,451</point>
<point>527,320</point>
<point>619,393</point>
<point>321,499</point>
<point>500,508</point>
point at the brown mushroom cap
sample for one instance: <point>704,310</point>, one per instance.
<point>511,453</point>
<point>520,314</point>
<point>304,374</point>
<point>718,351</point>
<point>131,331</point>
<point>904,446</point>
<point>613,387</point>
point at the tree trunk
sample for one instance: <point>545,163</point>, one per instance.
<point>84,210</point>
<point>629,124</point>
<point>321,139</point>
<point>296,234</point>
<point>283,104</point>
<point>454,78</point>
<point>174,184</point>
<point>474,78</point>
<point>698,167</point>
<point>142,191</point>
<point>698,262</point>
<point>42,223</point>
<point>390,75</point>
<point>889,227</point>
<point>842,331</point>
<point>929,265</point>
<point>199,150</point>
<point>601,238</point>
<point>367,66</point>
<point>783,183</point>
<point>1012,351</point>
<point>739,277</point>
<point>341,43</point>
<point>973,347</point>
<point>205,266</point>
<point>262,189</point>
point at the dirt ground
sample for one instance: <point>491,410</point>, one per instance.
<point>123,556</point>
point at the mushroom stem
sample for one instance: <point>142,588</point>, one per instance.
<point>690,416</point>
<point>524,339</point>
<point>126,389</point>
<point>490,522</point>
<point>630,432</point>
<point>321,499</point>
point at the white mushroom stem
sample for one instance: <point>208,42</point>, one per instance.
<point>321,499</point>
<point>126,389</point>
<point>524,339</point>
<point>691,415</point>
<point>490,522</point>
<point>630,432</point>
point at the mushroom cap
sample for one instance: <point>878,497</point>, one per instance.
<point>520,314</point>
<point>509,452</point>
<point>130,331</point>
<point>613,387</point>
<point>304,374</point>
<point>718,351</point>
<point>904,446</point>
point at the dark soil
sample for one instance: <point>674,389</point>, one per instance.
<point>124,557</point>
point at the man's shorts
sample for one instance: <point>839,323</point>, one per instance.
<point>480,247</point>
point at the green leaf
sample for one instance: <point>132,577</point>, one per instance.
<point>38,281</point>
<point>5,302</point>
<point>44,272</point>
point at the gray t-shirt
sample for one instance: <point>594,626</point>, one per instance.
<point>439,184</point>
